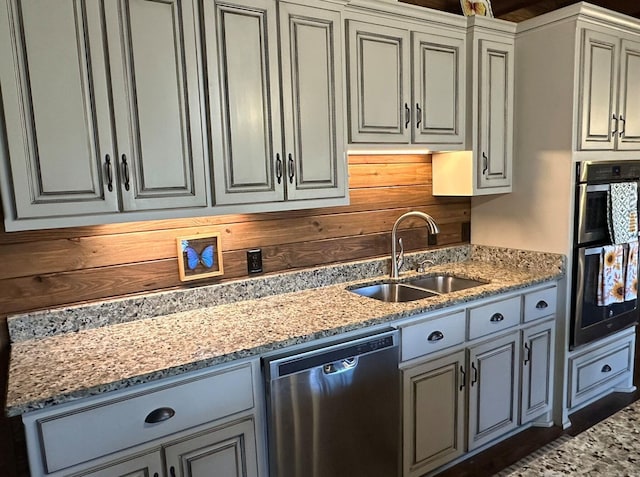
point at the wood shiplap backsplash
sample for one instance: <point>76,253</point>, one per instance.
<point>48,268</point>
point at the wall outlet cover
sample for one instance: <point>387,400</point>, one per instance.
<point>254,260</point>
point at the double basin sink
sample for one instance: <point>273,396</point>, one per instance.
<point>416,289</point>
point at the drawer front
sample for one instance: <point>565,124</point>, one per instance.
<point>540,304</point>
<point>433,335</point>
<point>494,317</point>
<point>94,431</point>
<point>594,372</point>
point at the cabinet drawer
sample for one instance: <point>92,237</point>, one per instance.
<point>493,317</point>
<point>86,433</point>
<point>594,372</point>
<point>540,303</point>
<point>433,335</point>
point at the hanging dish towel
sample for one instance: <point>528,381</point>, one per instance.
<point>611,278</point>
<point>631,278</point>
<point>623,212</point>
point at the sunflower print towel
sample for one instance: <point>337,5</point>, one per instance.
<point>631,280</point>
<point>611,277</point>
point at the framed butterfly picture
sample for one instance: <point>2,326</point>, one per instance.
<point>199,256</point>
<point>482,8</point>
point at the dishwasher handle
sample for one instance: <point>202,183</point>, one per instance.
<point>332,358</point>
<point>341,366</point>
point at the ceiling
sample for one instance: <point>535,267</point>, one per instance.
<point>519,10</point>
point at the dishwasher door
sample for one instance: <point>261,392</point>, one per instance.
<point>335,411</point>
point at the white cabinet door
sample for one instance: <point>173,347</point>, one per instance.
<point>629,96</point>
<point>537,370</point>
<point>244,92</point>
<point>493,387</point>
<point>379,83</point>
<point>312,89</point>
<point>56,108</point>
<point>145,465</point>
<point>495,114</point>
<point>229,452</point>
<point>438,88</point>
<point>154,72</point>
<point>598,91</point>
<point>434,403</point>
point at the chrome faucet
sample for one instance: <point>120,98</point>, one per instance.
<point>397,259</point>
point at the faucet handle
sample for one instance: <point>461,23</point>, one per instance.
<point>400,257</point>
<point>422,265</point>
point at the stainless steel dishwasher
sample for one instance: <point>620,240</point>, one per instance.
<point>334,411</point>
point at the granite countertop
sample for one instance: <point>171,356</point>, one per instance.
<point>63,366</point>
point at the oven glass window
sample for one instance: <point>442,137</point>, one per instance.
<point>596,213</point>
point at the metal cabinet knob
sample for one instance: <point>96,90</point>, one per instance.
<point>435,336</point>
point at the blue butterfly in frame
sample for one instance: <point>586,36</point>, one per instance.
<point>206,257</point>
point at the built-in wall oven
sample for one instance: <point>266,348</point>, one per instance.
<point>592,316</point>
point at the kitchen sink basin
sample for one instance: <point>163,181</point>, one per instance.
<point>417,288</point>
<point>445,283</point>
<point>393,292</point>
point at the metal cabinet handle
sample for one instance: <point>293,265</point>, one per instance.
<point>485,163</point>
<point>541,305</point>
<point>419,115</point>
<point>290,167</point>
<point>159,415</point>
<point>125,172</point>
<point>435,336</point>
<point>496,318</point>
<point>614,118</point>
<point>407,117</point>
<point>172,471</point>
<point>155,474</point>
<point>606,368</point>
<point>464,378</point>
<point>624,126</point>
<point>107,161</point>
<point>527,354</point>
<point>278,168</point>
<point>475,374</point>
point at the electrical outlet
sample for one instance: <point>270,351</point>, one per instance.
<point>254,260</point>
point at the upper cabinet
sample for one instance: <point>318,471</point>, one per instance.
<point>276,101</point>
<point>101,109</point>
<point>609,104</point>
<point>405,86</point>
<point>485,168</point>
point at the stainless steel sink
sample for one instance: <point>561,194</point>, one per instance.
<point>445,283</point>
<point>393,292</point>
<point>417,288</point>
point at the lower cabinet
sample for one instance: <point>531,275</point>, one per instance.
<point>203,424</point>
<point>434,399</point>
<point>538,352</point>
<point>144,465</point>
<point>229,452</point>
<point>460,395</point>
<point>493,388</point>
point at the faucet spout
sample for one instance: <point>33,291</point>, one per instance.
<point>397,259</point>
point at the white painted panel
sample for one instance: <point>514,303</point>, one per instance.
<point>55,107</point>
<point>313,106</point>
<point>379,79</point>
<point>157,63</point>
<point>598,91</point>
<point>629,102</point>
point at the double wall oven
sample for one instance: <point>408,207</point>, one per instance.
<point>591,318</point>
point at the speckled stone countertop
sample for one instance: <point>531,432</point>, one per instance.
<point>49,366</point>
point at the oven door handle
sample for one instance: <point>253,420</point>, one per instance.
<point>598,188</point>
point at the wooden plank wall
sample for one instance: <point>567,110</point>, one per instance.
<point>43,269</point>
